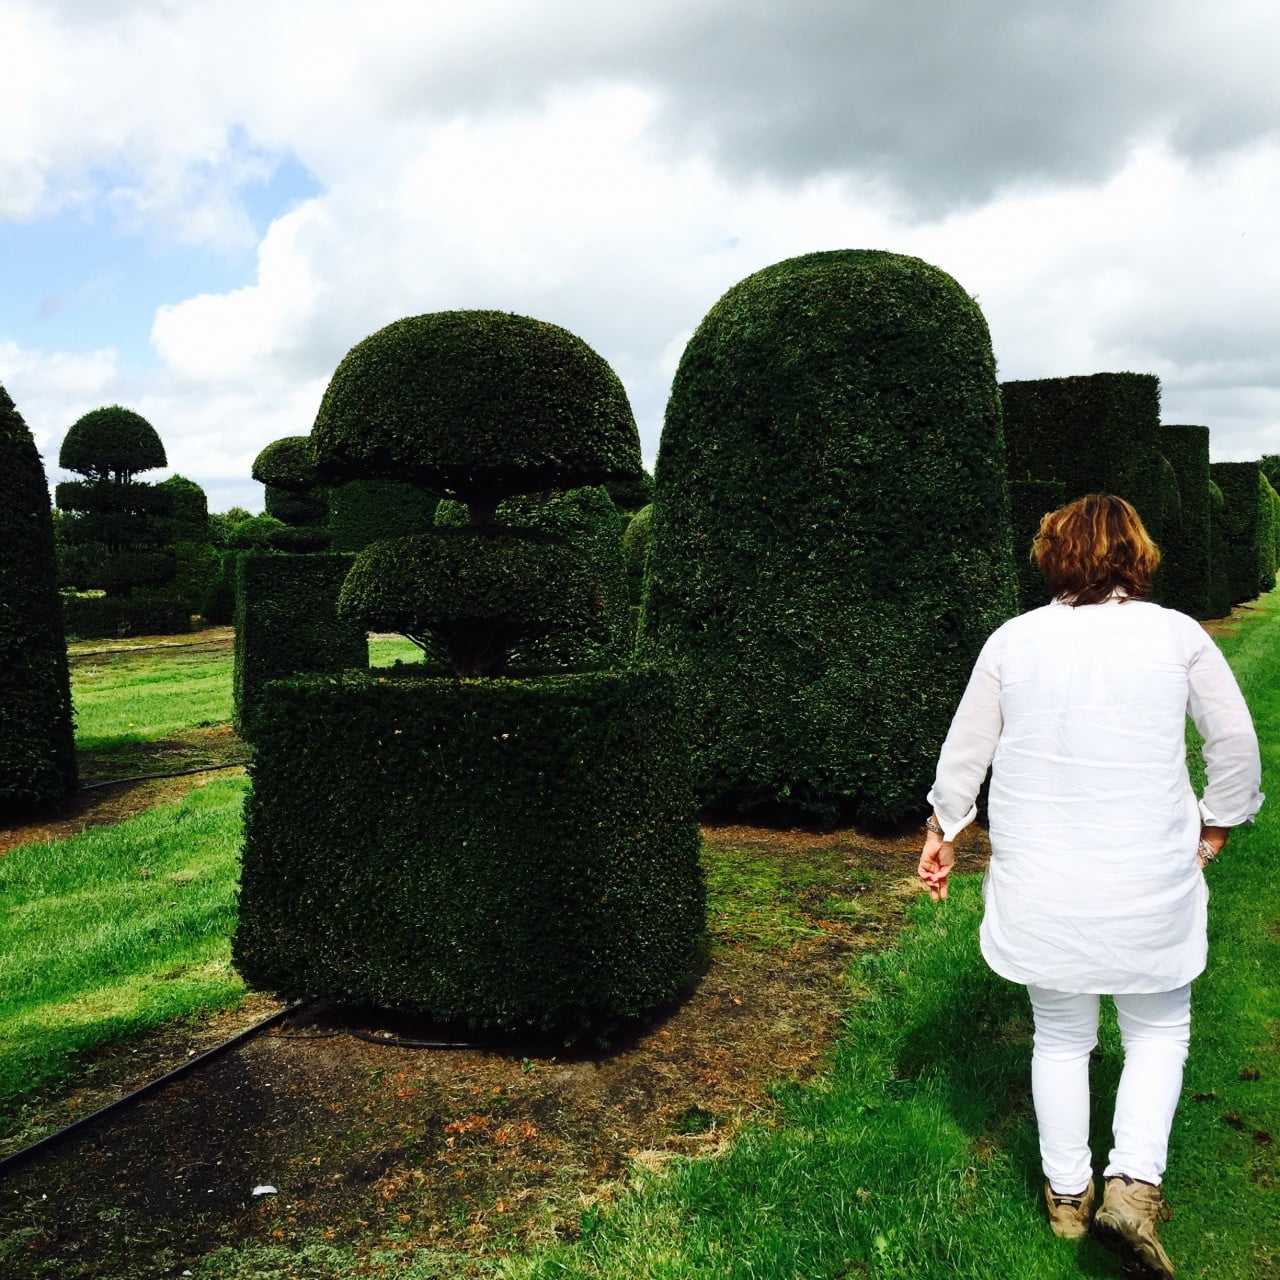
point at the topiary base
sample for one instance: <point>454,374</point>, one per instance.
<point>512,854</point>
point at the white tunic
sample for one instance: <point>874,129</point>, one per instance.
<point>1081,714</point>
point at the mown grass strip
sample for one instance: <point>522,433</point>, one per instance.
<point>115,931</point>
<point>916,1156</point>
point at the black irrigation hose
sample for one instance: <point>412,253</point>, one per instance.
<point>401,1042</point>
<point>147,777</point>
<point>11,1163</point>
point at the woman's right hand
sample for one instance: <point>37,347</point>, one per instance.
<point>936,860</point>
<point>1215,838</point>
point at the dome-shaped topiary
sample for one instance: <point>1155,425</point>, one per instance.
<point>478,592</point>
<point>476,405</point>
<point>113,441</point>
<point>288,464</point>
<point>830,543</point>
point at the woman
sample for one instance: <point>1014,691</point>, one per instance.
<point>1098,845</point>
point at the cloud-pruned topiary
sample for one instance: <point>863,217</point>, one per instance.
<point>830,542</point>
<point>37,747</point>
<point>476,405</point>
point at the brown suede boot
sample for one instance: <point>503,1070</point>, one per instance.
<point>1069,1216</point>
<point>1126,1223</point>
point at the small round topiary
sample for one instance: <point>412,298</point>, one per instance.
<point>478,592</point>
<point>112,441</point>
<point>287,464</point>
<point>476,405</point>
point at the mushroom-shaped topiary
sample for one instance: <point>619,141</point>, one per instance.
<point>111,443</point>
<point>287,464</point>
<point>476,593</point>
<point>476,405</point>
<point>294,495</point>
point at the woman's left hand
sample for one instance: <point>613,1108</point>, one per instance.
<point>936,860</point>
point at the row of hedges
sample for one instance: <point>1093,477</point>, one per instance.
<point>1102,433</point>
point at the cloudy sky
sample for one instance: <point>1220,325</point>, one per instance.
<point>205,203</point>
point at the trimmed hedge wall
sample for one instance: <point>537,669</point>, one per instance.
<point>365,511</point>
<point>37,744</point>
<point>1029,502</point>
<point>1219,557</point>
<point>635,548</point>
<point>830,543</point>
<point>1097,434</point>
<point>476,405</point>
<point>586,519</point>
<point>286,622</point>
<point>1185,570</point>
<point>102,617</point>
<point>1247,528</point>
<point>511,854</point>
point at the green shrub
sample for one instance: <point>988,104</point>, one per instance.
<point>1029,502</point>
<point>1246,525</point>
<point>477,593</point>
<point>365,511</point>
<point>511,854</point>
<point>1185,572</point>
<point>629,496</point>
<point>287,622</point>
<point>830,543</point>
<point>476,405</point>
<point>103,617</point>
<point>188,509</point>
<point>587,520</point>
<point>37,746</point>
<point>111,442</point>
<point>255,533</point>
<point>1219,556</point>
<point>1096,434</point>
<point>635,547</point>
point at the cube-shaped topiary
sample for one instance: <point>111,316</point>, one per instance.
<point>830,543</point>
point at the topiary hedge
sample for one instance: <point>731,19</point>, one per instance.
<point>476,405</point>
<point>286,622</point>
<point>365,511</point>
<point>98,617</point>
<point>477,593</point>
<point>830,543</point>
<point>37,744</point>
<point>112,441</point>
<point>635,547</point>
<point>1029,502</point>
<point>587,520</point>
<point>1185,572</point>
<point>1219,582</point>
<point>511,854</point>
<point>1246,524</point>
<point>1096,434</point>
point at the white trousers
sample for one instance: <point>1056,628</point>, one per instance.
<point>1155,1030</point>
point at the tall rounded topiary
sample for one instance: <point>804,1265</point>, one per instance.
<point>527,854</point>
<point>37,746</point>
<point>830,543</point>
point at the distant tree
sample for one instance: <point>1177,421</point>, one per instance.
<point>37,747</point>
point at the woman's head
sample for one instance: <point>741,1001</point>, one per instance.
<point>1091,547</point>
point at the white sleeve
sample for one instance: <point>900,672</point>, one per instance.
<point>970,743</point>
<point>1233,770</point>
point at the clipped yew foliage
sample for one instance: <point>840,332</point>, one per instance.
<point>1029,502</point>
<point>588,520</point>
<point>113,441</point>
<point>476,405</point>
<point>1185,571</point>
<point>830,541</point>
<point>37,747</point>
<point>475,593</point>
<point>512,854</point>
<point>365,511</point>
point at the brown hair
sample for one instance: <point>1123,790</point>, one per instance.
<point>1090,547</point>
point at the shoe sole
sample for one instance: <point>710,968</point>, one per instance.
<point>1137,1263</point>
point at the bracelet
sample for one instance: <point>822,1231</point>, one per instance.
<point>930,825</point>
<point>1206,851</point>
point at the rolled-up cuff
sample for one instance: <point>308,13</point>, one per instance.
<point>1210,819</point>
<point>951,826</point>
